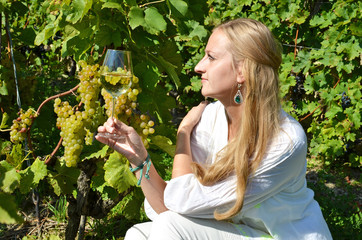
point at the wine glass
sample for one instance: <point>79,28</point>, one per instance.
<point>116,76</point>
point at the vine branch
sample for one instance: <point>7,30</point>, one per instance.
<point>149,3</point>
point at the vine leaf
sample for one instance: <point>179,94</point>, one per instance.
<point>164,143</point>
<point>31,176</point>
<point>117,173</point>
<point>180,6</point>
<point>4,119</point>
<point>154,21</point>
<point>80,8</point>
<point>63,179</point>
<point>9,178</point>
<point>8,209</point>
<point>89,151</point>
<point>136,17</point>
<point>112,5</point>
<point>3,89</point>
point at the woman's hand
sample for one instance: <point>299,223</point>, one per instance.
<point>131,146</point>
<point>192,118</point>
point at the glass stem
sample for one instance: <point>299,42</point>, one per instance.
<point>113,106</point>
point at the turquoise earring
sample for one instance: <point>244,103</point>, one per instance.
<point>238,98</point>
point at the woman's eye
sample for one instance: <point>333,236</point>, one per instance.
<point>210,57</point>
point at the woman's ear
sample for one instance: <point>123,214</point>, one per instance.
<point>240,77</point>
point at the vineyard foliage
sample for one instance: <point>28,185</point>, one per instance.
<point>48,41</point>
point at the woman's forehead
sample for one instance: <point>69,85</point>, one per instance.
<point>218,42</point>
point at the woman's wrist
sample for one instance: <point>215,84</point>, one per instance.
<point>146,162</point>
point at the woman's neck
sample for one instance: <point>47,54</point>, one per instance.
<point>233,115</point>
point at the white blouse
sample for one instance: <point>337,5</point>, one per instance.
<point>277,200</point>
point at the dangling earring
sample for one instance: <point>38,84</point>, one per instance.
<point>238,98</point>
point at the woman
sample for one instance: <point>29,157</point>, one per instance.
<point>240,163</point>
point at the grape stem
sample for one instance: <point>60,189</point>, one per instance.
<point>57,96</point>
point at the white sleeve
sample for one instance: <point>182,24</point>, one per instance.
<point>186,195</point>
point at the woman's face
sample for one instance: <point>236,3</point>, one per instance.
<point>218,77</point>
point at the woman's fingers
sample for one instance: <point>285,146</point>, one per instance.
<point>192,117</point>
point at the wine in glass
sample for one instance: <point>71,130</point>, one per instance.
<point>116,75</point>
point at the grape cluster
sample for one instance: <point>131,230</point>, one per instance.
<point>72,130</point>
<point>21,125</point>
<point>346,101</point>
<point>144,127</point>
<point>298,89</point>
<point>78,126</point>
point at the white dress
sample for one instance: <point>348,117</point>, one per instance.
<point>277,200</point>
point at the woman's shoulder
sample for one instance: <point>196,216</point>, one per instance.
<point>214,108</point>
<point>291,128</point>
<point>213,112</point>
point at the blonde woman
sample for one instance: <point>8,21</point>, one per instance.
<point>240,163</point>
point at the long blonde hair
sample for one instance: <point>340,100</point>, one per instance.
<point>252,45</point>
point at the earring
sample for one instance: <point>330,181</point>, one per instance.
<point>238,98</point>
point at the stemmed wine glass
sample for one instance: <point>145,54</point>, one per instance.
<point>116,76</point>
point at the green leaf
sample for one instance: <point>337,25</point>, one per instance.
<point>8,210</point>
<point>89,151</point>
<point>32,175</point>
<point>155,20</point>
<point>198,30</point>
<point>148,74</point>
<point>180,6</point>
<point>132,204</point>
<point>354,116</point>
<point>157,102</point>
<point>170,69</point>
<point>164,143</point>
<point>45,34</point>
<point>4,119</point>
<point>333,111</point>
<point>3,89</point>
<point>79,9</point>
<point>112,5</point>
<point>136,17</point>
<point>195,84</point>
<point>117,173</point>
<point>9,178</point>
<point>70,32</point>
<point>63,179</point>
<point>16,156</point>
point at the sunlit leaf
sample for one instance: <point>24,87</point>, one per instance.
<point>8,210</point>
<point>117,173</point>
<point>155,20</point>
<point>9,177</point>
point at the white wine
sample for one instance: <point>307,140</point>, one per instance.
<point>116,83</point>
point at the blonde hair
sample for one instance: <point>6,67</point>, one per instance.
<point>252,45</point>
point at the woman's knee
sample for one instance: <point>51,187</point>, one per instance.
<point>167,224</point>
<point>139,231</point>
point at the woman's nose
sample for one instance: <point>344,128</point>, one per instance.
<point>200,68</point>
